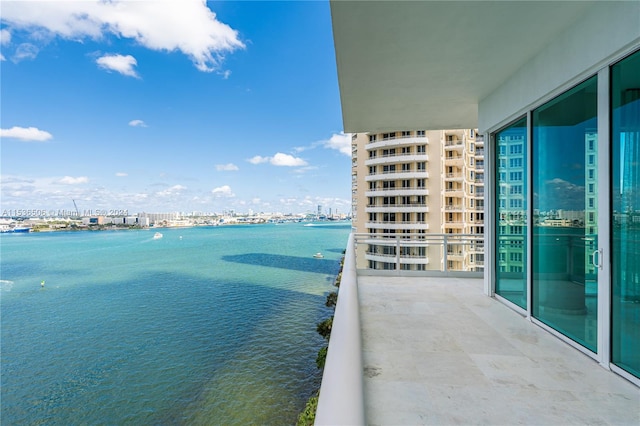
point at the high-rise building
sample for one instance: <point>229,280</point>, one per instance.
<point>410,183</point>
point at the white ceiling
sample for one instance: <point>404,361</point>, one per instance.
<point>427,64</point>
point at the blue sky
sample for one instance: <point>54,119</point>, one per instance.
<point>171,106</point>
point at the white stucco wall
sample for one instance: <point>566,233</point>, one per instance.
<point>607,31</point>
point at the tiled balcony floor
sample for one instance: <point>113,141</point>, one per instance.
<point>437,351</point>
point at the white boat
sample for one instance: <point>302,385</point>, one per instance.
<point>318,255</point>
<point>157,236</point>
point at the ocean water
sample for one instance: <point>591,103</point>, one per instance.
<point>210,325</point>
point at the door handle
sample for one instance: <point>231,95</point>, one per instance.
<point>596,258</point>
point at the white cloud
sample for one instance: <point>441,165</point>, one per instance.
<point>186,26</point>
<point>223,191</point>
<point>5,36</point>
<point>2,58</point>
<point>25,51</point>
<point>26,134</point>
<point>227,167</point>
<point>226,74</point>
<point>137,123</point>
<point>122,174</point>
<point>258,159</point>
<point>120,63</point>
<point>279,159</point>
<point>340,142</point>
<point>174,190</point>
<point>69,180</point>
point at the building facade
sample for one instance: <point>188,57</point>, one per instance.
<point>411,184</point>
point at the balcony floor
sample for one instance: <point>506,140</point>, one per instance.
<point>438,351</point>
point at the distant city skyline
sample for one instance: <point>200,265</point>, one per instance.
<point>167,106</point>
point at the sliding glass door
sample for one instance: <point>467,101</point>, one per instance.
<point>565,211</point>
<point>625,185</point>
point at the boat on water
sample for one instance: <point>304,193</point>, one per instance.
<point>157,236</point>
<point>16,229</point>
<point>318,255</point>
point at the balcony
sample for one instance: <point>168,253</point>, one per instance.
<point>396,158</point>
<point>454,192</point>
<point>398,225</point>
<point>397,208</point>
<point>397,141</point>
<point>454,161</point>
<point>392,192</point>
<point>453,145</point>
<point>407,350</point>
<point>454,177</point>
<point>397,175</point>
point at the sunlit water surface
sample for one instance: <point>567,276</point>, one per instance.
<point>203,326</point>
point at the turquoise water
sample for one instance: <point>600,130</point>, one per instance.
<point>204,326</point>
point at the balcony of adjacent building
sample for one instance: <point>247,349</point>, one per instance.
<point>412,140</point>
<point>454,145</point>
<point>396,225</point>
<point>454,176</point>
<point>408,345</point>
<point>397,173</point>
<point>458,207</point>
<point>454,160</point>
<point>397,157</point>
<point>454,191</point>
<point>397,192</point>
<point>411,207</point>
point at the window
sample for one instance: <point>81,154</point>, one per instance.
<point>515,162</point>
<point>389,168</point>
<point>406,167</point>
<point>419,132</point>
<point>420,183</point>
<point>372,138</point>
<point>372,170</point>
<point>406,150</point>
<point>406,183</point>
<point>515,176</point>
<point>515,149</point>
<point>421,165</point>
<point>388,184</point>
<point>406,134</point>
<point>372,154</point>
<point>421,149</point>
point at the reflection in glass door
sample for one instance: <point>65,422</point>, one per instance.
<point>564,243</point>
<point>625,298</point>
<point>511,213</point>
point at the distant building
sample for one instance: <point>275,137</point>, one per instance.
<point>419,182</point>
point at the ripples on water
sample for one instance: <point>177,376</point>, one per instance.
<point>215,328</point>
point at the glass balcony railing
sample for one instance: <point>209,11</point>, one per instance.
<point>401,253</point>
